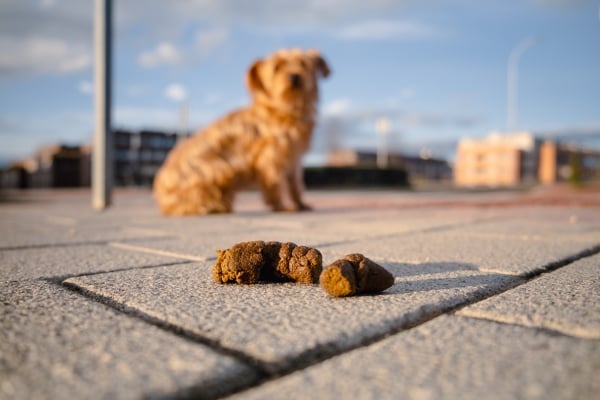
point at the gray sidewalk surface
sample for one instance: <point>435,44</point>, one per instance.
<point>496,296</point>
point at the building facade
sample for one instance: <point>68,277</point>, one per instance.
<point>504,160</point>
<point>562,162</point>
<point>139,155</point>
<point>54,166</point>
<point>417,168</point>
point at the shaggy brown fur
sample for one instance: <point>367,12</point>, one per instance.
<point>262,143</point>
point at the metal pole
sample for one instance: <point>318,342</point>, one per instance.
<point>513,81</point>
<point>382,126</point>
<point>183,121</point>
<point>102,161</point>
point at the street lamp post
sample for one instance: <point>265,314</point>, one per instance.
<point>102,161</point>
<point>513,81</point>
<point>183,121</point>
<point>382,126</point>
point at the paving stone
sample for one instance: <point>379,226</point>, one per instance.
<point>586,217</point>
<point>32,230</point>
<point>570,228</point>
<point>55,344</point>
<point>283,325</point>
<point>451,358</point>
<point>341,221</point>
<point>356,225</point>
<point>62,261</point>
<point>492,253</point>
<point>197,238</point>
<point>566,300</point>
<point>204,246</point>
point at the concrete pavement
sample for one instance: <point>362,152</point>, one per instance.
<point>496,295</point>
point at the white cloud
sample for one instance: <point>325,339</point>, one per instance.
<point>136,90</point>
<point>176,92</point>
<point>337,107</point>
<point>141,117</point>
<point>47,3</point>
<point>212,98</point>
<point>258,14</point>
<point>385,29</point>
<point>45,37</point>
<point>41,55</point>
<point>167,118</point>
<point>51,36</point>
<point>165,53</point>
<point>268,16</point>
<point>208,41</point>
<point>86,87</point>
<point>407,93</point>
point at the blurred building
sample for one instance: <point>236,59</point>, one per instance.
<point>139,155</point>
<point>497,160</point>
<point>519,158</point>
<point>422,167</point>
<point>54,166</point>
<point>14,177</point>
<point>563,162</point>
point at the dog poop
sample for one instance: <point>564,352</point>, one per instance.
<point>251,262</point>
<point>355,274</point>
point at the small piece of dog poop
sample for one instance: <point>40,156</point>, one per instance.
<point>251,262</point>
<point>355,274</point>
<point>242,263</point>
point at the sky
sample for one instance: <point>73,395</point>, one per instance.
<point>435,69</point>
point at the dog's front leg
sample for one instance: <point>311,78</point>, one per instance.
<point>296,188</point>
<point>271,183</point>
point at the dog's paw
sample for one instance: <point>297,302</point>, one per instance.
<point>286,209</point>
<point>295,208</point>
<point>304,207</point>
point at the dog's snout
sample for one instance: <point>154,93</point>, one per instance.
<point>296,80</point>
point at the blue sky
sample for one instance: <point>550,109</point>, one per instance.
<point>436,69</point>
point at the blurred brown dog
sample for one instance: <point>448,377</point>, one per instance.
<point>262,143</point>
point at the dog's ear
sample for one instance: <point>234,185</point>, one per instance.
<point>321,65</point>
<point>253,80</point>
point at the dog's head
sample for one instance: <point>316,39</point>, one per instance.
<point>287,79</point>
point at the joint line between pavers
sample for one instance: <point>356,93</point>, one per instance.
<point>525,278</point>
<point>63,221</point>
<point>439,228</point>
<point>179,331</point>
<point>555,331</point>
<point>553,266</point>
<point>304,360</point>
<point>326,351</point>
<point>48,245</point>
<point>71,244</point>
<point>59,278</point>
<point>265,371</point>
<point>142,249</point>
<point>550,267</point>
